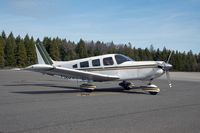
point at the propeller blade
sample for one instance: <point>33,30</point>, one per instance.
<point>168,78</point>
<point>169,57</point>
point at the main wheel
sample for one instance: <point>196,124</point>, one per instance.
<point>87,90</point>
<point>153,93</point>
<point>87,87</point>
<point>125,85</point>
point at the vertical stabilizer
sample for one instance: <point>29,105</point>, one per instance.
<point>42,55</point>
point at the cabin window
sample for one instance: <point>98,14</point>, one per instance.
<point>121,59</point>
<point>84,64</point>
<point>108,61</point>
<point>75,66</point>
<point>96,62</point>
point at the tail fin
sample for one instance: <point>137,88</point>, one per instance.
<point>42,55</point>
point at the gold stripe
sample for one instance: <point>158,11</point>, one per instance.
<point>120,68</point>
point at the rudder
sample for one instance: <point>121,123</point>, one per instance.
<point>42,55</point>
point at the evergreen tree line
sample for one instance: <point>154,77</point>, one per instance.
<point>20,52</point>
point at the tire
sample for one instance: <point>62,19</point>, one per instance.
<point>125,86</point>
<point>153,93</point>
<point>87,90</point>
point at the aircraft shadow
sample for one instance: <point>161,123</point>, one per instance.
<point>44,85</point>
<point>69,89</point>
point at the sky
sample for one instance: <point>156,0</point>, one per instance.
<point>174,24</point>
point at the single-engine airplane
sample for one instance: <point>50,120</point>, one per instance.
<point>108,67</point>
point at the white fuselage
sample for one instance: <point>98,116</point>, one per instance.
<point>127,70</point>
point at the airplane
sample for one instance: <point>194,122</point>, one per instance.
<point>108,67</point>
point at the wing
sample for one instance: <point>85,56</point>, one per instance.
<point>70,73</point>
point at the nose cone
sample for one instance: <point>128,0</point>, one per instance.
<point>167,66</point>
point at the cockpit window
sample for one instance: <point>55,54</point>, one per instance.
<point>121,59</point>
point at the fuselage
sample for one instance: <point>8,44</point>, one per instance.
<point>116,65</point>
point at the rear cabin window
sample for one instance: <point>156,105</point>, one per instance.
<point>75,66</point>
<point>108,61</point>
<point>84,64</point>
<point>96,62</point>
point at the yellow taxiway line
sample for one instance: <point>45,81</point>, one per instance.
<point>98,94</point>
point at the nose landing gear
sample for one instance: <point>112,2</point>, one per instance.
<point>150,88</point>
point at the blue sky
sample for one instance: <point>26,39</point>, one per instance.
<point>171,23</point>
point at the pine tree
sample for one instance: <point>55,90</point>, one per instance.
<point>2,43</point>
<point>62,50</point>
<point>177,61</point>
<point>3,35</point>
<point>47,42</point>
<point>81,49</point>
<point>111,48</point>
<point>140,54</point>
<point>164,54</point>
<point>151,48</point>
<point>135,55</point>
<point>125,50</point>
<point>198,61</point>
<point>67,50</point>
<point>148,55</point>
<point>54,49</point>
<point>90,48</point>
<point>30,50</point>
<point>192,63</point>
<point>21,56</point>
<point>10,51</point>
<point>98,48</point>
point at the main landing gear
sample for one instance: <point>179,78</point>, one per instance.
<point>126,85</point>
<point>87,87</point>
<point>150,88</point>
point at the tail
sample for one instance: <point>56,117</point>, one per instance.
<point>42,55</point>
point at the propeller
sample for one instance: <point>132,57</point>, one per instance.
<point>169,79</point>
<point>165,66</point>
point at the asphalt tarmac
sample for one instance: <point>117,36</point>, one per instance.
<point>32,102</point>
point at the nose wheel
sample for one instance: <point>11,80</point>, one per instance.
<point>151,89</point>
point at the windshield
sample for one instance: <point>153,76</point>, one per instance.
<point>122,58</point>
